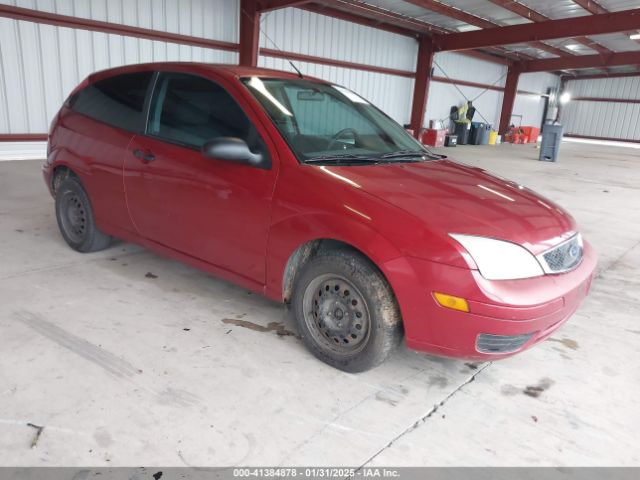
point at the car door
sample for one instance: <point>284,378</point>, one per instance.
<point>214,210</point>
<point>98,123</point>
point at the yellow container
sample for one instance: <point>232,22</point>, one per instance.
<point>493,136</point>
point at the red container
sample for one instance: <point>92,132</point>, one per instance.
<point>531,134</point>
<point>433,137</point>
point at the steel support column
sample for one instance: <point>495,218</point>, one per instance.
<point>249,32</point>
<point>509,97</point>
<point>421,85</point>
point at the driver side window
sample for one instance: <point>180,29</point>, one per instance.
<point>191,110</point>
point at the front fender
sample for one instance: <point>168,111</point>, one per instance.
<point>287,235</point>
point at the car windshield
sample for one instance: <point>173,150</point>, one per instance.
<point>325,123</point>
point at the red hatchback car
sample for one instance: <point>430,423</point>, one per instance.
<point>305,192</point>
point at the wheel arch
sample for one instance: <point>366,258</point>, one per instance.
<point>289,250</point>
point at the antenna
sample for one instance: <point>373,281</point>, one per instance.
<point>275,45</point>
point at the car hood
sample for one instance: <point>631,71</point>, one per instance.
<point>450,197</point>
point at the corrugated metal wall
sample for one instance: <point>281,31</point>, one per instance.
<point>40,64</point>
<point>299,31</point>
<point>605,119</point>
<point>457,66</point>
<point>531,107</point>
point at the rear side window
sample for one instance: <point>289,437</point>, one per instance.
<point>191,110</point>
<point>118,101</point>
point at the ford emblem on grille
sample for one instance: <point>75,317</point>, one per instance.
<point>563,257</point>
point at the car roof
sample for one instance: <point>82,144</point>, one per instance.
<point>227,70</point>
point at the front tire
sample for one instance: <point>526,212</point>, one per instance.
<point>75,218</point>
<point>345,311</point>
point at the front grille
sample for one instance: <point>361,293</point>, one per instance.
<point>563,257</point>
<point>489,343</point>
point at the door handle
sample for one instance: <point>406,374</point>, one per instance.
<point>146,157</point>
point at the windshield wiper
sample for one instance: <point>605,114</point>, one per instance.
<point>417,154</point>
<point>346,158</point>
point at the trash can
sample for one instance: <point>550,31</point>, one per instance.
<point>462,132</point>
<point>477,132</point>
<point>485,135</point>
<point>550,145</point>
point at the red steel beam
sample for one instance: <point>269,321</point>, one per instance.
<point>458,14</point>
<point>583,61</point>
<point>375,17</point>
<point>591,6</point>
<point>421,84</point>
<point>604,75</point>
<point>509,98</point>
<point>23,137</point>
<point>534,16</point>
<point>29,15</point>
<point>549,30</point>
<point>268,52</point>
<point>249,33</point>
<point>453,12</point>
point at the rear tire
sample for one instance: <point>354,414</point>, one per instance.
<point>75,218</point>
<point>345,311</point>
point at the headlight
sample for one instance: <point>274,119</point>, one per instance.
<point>499,260</point>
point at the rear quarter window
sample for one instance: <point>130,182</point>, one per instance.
<point>117,101</point>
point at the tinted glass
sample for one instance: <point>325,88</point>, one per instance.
<point>118,101</point>
<point>319,120</point>
<point>191,110</point>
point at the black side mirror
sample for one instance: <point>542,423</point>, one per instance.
<point>231,149</point>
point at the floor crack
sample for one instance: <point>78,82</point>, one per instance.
<point>427,415</point>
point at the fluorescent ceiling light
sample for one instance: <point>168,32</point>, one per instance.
<point>572,46</point>
<point>565,97</point>
<point>635,36</point>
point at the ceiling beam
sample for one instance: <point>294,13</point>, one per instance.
<point>603,75</point>
<point>461,15</point>
<point>530,14</point>
<point>591,6</point>
<point>583,61</point>
<point>549,30</point>
<point>376,17</point>
<point>453,12</point>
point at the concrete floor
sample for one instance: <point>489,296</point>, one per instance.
<point>126,358</point>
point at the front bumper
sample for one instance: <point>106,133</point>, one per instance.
<point>534,307</point>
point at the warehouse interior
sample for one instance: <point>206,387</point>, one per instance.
<point>126,358</point>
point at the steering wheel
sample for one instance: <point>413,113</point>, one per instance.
<point>340,134</point>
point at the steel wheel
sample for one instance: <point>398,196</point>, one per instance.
<point>336,314</point>
<point>74,217</point>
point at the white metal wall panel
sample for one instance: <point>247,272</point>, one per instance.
<point>603,119</point>
<point>390,93</point>
<point>308,33</point>
<point>40,64</point>
<point>457,66</point>
<point>212,19</point>
<point>442,96</point>
<point>464,67</point>
<point>531,107</point>
<point>627,88</point>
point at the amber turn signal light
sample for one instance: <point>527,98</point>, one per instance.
<point>449,301</point>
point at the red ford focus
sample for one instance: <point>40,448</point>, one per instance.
<point>303,191</point>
